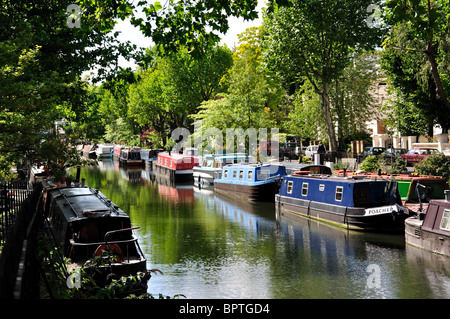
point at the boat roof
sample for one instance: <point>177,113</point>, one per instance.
<point>78,203</point>
<point>347,179</point>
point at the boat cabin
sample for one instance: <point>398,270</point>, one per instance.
<point>131,156</point>
<point>85,222</point>
<point>176,161</point>
<point>431,230</point>
<point>352,203</point>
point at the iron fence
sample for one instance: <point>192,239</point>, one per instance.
<point>12,195</point>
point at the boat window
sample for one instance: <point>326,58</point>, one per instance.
<point>165,161</point>
<point>321,187</point>
<point>445,221</point>
<point>170,163</point>
<point>249,175</point>
<point>234,174</point>
<point>290,187</point>
<point>263,174</point>
<point>304,189</point>
<point>225,174</point>
<point>241,174</point>
<point>339,191</point>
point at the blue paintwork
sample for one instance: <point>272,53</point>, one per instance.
<point>323,190</point>
<point>259,174</point>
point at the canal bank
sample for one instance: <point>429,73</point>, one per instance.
<point>209,246</point>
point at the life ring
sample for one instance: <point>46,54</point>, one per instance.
<point>115,249</point>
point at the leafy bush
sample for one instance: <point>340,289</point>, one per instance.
<point>370,164</point>
<point>398,166</point>
<point>436,165</point>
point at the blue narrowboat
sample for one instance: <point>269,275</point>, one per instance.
<point>352,203</point>
<point>251,182</point>
<point>212,164</point>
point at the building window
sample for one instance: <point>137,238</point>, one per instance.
<point>445,221</point>
<point>339,192</point>
<point>290,186</point>
<point>304,189</point>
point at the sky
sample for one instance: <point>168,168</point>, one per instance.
<point>237,26</point>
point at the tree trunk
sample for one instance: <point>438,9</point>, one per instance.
<point>440,94</point>
<point>325,103</point>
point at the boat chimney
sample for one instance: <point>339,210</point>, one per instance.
<point>447,195</point>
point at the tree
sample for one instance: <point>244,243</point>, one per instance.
<point>427,24</point>
<point>316,39</point>
<point>41,61</point>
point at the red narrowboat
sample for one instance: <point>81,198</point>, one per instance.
<point>176,167</point>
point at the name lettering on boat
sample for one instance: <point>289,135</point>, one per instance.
<point>380,210</point>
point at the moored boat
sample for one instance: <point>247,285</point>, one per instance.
<point>352,203</point>
<point>86,225</point>
<point>250,181</point>
<point>149,156</point>
<point>104,150</point>
<point>175,167</point>
<point>130,156</point>
<point>116,152</point>
<point>212,164</point>
<point>431,230</point>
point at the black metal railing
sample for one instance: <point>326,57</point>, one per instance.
<point>19,265</point>
<point>12,195</point>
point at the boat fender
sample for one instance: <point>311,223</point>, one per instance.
<point>115,249</point>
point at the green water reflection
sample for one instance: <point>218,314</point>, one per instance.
<point>212,247</point>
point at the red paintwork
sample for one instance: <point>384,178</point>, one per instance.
<point>177,161</point>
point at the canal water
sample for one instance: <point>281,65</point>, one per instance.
<point>211,247</point>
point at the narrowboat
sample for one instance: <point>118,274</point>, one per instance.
<point>351,203</point>
<point>104,150</point>
<point>175,167</point>
<point>89,151</point>
<point>149,156</point>
<point>411,187</point>
<point>315,169</point>
<point>130,156</point>
<point>212,164</point>
<point>116,152</point>
<point>251,182</point>
<point>431,230</point>
<point>86,224</point>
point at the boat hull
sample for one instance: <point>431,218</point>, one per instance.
<point>431,240</point>
<point>264,192</point>
<point>387,218</point>
<point>172,175</point>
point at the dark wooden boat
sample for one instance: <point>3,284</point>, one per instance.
<point>250,182</point>
<point>357,204</point>
<point>86,224</point>
<point>130,156</point>
<point>431,230</point>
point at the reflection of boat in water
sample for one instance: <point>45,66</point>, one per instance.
<point>251,215</point>
<point>358,204</point>
<point>434,268</point>
<point>86,224</point>
<point>132,174</point>
<point>174,192</point>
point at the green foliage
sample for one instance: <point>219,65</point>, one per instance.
<point>398,166</point>
<point>370,164</point>
<point>436,165</point>
<point>311,39</point>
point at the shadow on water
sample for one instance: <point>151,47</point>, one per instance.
<point>210,246</point>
